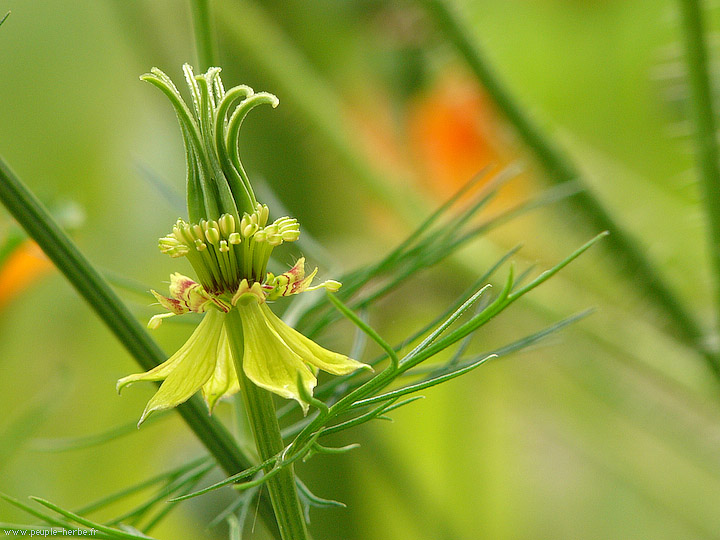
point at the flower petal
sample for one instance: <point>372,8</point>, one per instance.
<point>223,382</point>
<point>311,352</point>
<point>267,360</point>
<point>293,281</point>
<point>187,370</point>
<point>157,373</point>
<point>173,305</point>
<point>180,286</point>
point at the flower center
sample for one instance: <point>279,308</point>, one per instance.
<point>225,252</point>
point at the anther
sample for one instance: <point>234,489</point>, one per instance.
<point>263,213</point>
<point>290,235</point>
<point>212,235</point>
<point>227,225</point>
<point>260,236</point>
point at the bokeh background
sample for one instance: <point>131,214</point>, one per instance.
<point>609,429</point>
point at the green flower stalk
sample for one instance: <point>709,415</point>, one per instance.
<point>230,252</point>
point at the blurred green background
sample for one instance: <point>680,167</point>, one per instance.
<point>609,429</point>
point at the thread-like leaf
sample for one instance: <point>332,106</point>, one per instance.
<point>114,533</point>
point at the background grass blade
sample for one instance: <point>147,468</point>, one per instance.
<point>636,266</point>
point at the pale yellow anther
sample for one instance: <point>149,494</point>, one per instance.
<point>227,225</point>
<point>235,238</point>
<point>291,235</point>
<point>200,245</point>
<point>224,246</point>
<point>156,320</point>
<point>248,219</point>
<point>168,241</point>
<point>332,285</point>
<point>263,213</point>
<point>171,246</point>
<point>182,233</point>
<point>212,235</point>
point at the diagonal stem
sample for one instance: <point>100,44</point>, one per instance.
<point>703,116</point>
<point>561,169</point>
<point>38,223</point>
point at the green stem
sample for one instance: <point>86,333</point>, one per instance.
<point>703,115</point>
<point>263,420</point>
<point>560,169</point>
<point>262,40</point>
<point>258,403</point>
<point>204,40</point>
<point>38,223</point>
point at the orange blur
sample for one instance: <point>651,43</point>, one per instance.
<point>23,267</point>
<point>455,132</point>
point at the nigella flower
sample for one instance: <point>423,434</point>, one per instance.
<point>275,356</point>
<point>228,242</point>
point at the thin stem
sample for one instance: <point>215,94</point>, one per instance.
<point>204,37</point>
<point>703,116</point>
<point>261,413</point>
<point>561,169</point>
<point>38,223</point>
<point>292,77</point>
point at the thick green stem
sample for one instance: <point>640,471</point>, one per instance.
<point>266,430</point>
<point>38,223</point>
<point>204,40</point>
<point>703,116</point>
<point>561,169</point>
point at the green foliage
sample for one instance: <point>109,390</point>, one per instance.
<point>437,352</point>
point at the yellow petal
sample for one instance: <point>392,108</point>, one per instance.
<point>267,360</point>
<point>223,382</point>
<point>187,370</point>
<point>311,352</point>
<point>156,374</point>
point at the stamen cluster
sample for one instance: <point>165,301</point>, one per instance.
<point>224,252</point>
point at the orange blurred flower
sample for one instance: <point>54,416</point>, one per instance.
<point>24,265</point>
<point>454,133</point>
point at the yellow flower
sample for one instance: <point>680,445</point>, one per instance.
<point>228,240</point>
